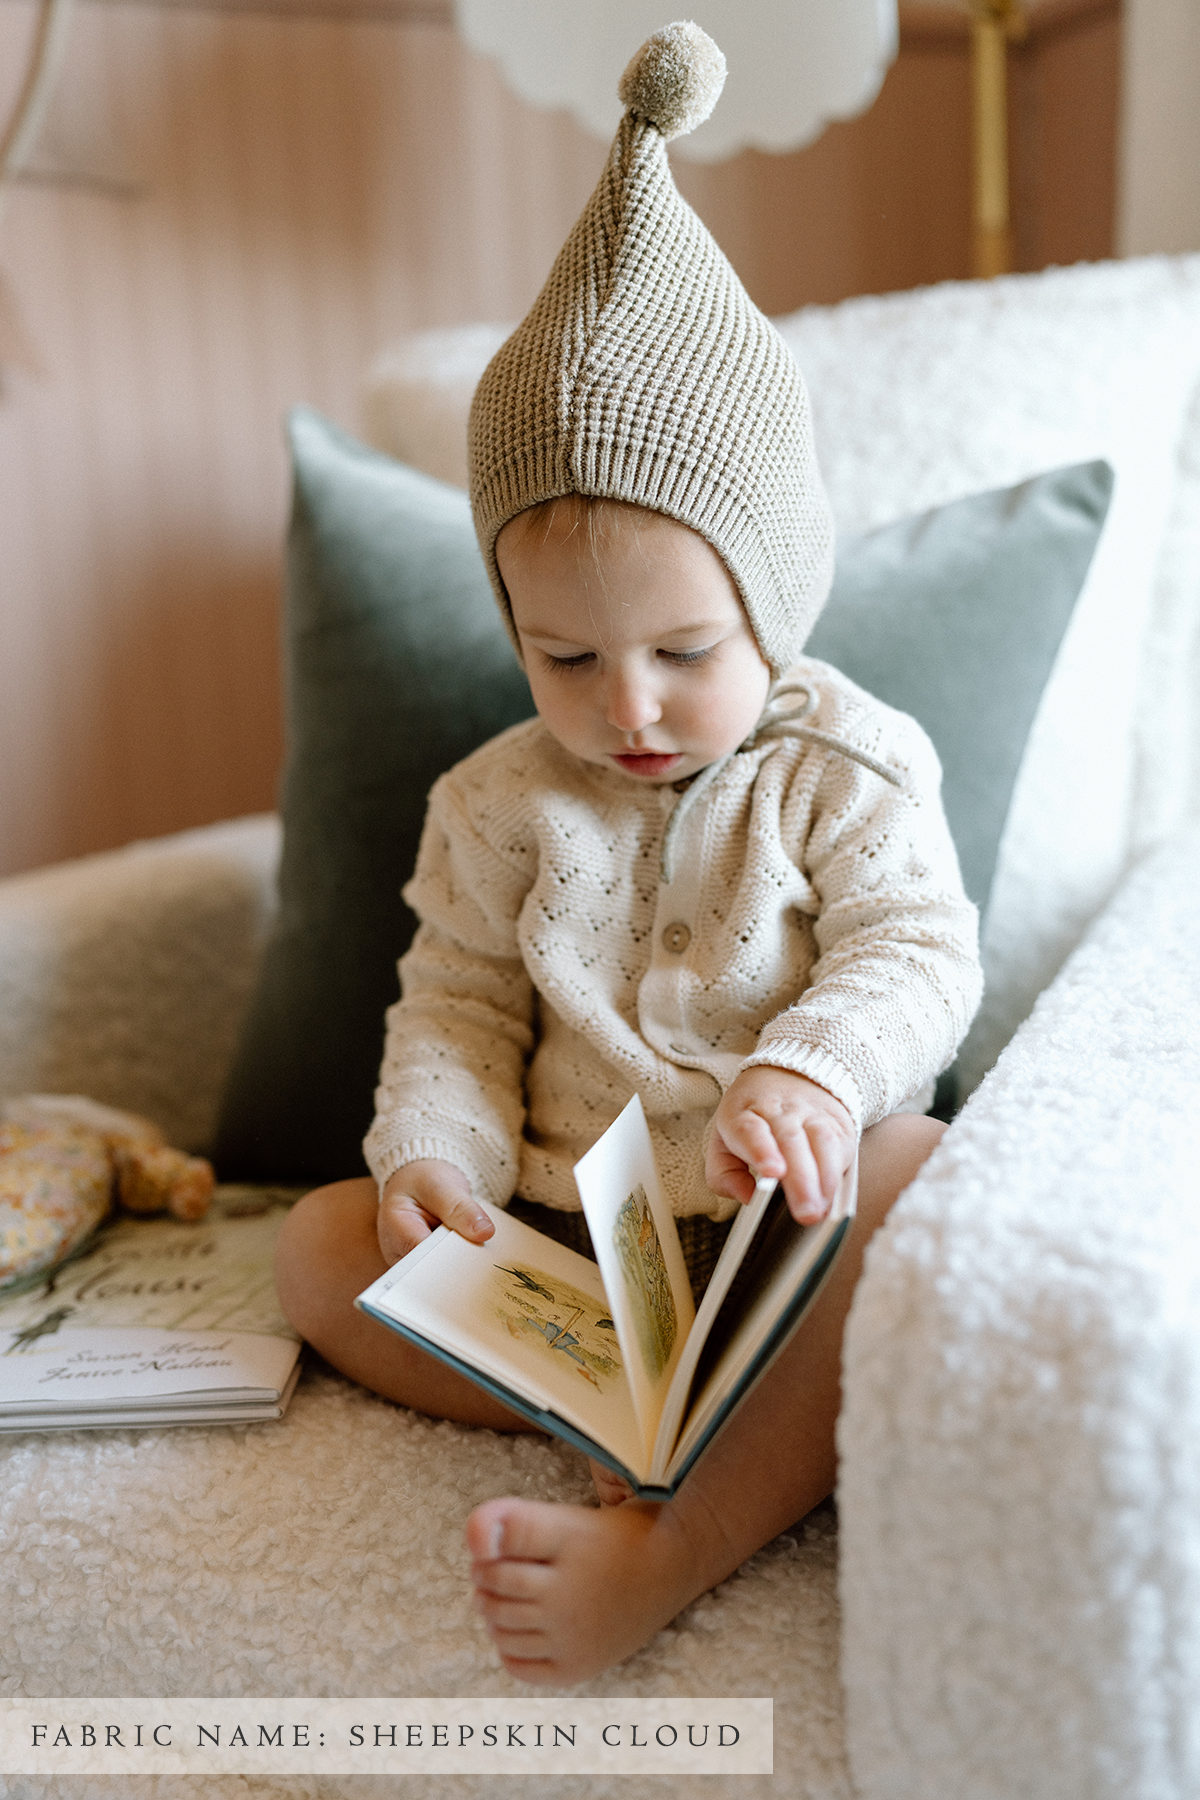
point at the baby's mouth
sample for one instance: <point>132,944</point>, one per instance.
<point>648,763</point>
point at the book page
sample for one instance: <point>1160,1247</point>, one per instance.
<point>746,1222</point>
<point>525,1311</point>
<point>148,1416</point>
<point>782,1272</point>
<point>637,1248</point>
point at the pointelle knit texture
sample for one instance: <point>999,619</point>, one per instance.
<point>814,921</point>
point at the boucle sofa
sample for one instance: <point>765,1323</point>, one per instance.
<point>1008,1601</point>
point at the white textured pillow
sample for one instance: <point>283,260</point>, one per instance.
<point>924,396</point>
<point>126,975</point>
<point>418,394</point>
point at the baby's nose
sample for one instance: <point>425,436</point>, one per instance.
<point>632,702</point>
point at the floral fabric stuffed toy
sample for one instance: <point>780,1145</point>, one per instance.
<point>65,1161</point>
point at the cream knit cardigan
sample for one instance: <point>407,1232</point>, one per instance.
<point>815,921</point>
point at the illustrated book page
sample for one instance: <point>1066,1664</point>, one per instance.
<point>688,1369</point>
<point>525,1318</point>
<point>636,1242</point>
<point>769,1274</point>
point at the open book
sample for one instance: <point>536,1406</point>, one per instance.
<point>613,1356</point>
<point>155,1323</point>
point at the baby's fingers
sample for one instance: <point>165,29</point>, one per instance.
<point>738,1153</point>
<point>804,1180</point>
<point>750,1139</point>
<point>830,1153</point>
<point>819,1153</point>
<point>725,1172</point>
<point>423,1195</point>
<point>402,1225</point>
<point>465,1216</point>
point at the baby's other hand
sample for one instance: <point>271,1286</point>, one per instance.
<point>785,1126</point>
<point>419,1197</point>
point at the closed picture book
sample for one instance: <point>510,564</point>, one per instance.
<point>156,1323</point>
<point>613,1355</point>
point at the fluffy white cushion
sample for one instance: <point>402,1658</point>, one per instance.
<point>925,396</point>
<point>920,397</point>
<point>418,395</point>
<point>125,976</point>
<point>325,1555</point>
<point>1020,1486</point>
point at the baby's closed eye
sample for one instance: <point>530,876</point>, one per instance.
<point>687,658</point>
<point>559,663</point>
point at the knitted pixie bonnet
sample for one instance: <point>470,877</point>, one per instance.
<point>645,373</point>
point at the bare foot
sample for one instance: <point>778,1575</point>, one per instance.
<point>567,1591</point>
<point>611,1489</point>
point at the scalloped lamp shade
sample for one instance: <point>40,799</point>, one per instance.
<point>794,65</point>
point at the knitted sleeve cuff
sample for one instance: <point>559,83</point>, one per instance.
<point>818,1066</point>
<point>490,1176</point>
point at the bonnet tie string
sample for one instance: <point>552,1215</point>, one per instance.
<point>774,723</point>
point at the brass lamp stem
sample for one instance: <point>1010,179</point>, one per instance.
<point>993,22</point>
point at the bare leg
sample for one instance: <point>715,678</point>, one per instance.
<point>327,1253</point>
<point>568,1591</point>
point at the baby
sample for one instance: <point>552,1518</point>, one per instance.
<point>688,878</point>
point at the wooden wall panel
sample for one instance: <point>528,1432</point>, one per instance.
<point>1065,98</point>
<point>876,204</point>
<point>313,187</point>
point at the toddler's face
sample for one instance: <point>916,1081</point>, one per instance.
<point>638,651</point>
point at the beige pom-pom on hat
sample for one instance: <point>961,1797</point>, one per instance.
<point>675,79</point>
<point>644,373</point>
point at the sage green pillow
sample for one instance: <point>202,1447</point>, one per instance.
<point>398,666</point>
<point>956,616</point>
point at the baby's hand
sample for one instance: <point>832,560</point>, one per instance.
<point>784,1126</point>
<point>422,1195</point>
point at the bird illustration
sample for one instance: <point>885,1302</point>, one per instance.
<point>527,1282</point>
<point>49,1322</point>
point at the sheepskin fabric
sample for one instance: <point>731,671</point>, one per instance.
<point>324,1556</point>
<point>1020,1492</point>
<point>125,976</point>
<point>1020,1439</point>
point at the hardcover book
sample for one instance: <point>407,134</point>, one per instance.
<point>613,1355</point>
<point>156,1322</point>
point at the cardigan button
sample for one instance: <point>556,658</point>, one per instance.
<point>676,938</point>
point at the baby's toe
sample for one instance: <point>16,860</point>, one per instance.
<point>516,1528</point>
<point>513,1631</point>
<point>508,1580</point>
